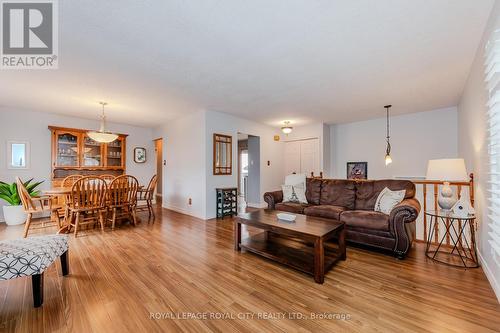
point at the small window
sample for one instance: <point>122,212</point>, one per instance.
<point>18,155</point>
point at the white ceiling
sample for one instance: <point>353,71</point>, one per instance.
<point>267,60</point>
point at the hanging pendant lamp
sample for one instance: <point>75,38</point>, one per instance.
<point>102,135</point>
<point>388,158</point>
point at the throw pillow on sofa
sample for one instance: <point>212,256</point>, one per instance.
<point>294,193</point>
<point>388,199</point>
<point>296,179</point>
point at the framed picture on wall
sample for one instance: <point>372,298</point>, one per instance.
<point>139,155</point>
<point>357,170</point>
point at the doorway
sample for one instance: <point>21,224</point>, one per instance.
<point>159,167</point>
<point>242,171</point>
<point>248,171</point>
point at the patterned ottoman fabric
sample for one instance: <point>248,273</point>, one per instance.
<point>30,256</point>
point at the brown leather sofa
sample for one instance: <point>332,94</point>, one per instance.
<point>353,202</point>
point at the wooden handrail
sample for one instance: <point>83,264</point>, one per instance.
<point>435,189</point>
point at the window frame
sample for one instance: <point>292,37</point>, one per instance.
<point>27,155</point>
<point>492,80</point>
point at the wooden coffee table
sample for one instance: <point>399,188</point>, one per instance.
<point>299,244</point>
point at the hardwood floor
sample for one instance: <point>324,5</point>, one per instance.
<point>127,279</point>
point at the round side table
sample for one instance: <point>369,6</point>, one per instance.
<point>461,252</point>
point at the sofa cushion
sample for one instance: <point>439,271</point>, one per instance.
<point>365,219</point>
<point>291,207</point>
<point>338,192</point>
<point>368,191</point>
<point>328,211</point>
<point>313,190</point>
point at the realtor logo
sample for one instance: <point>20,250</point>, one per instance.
<point>29,34</point>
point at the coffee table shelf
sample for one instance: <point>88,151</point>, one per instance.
<point>296,254</point>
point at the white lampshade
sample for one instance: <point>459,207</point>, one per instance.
<point>103,137</point>
<point>447,169</point>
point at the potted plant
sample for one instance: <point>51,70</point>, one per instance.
<point>14,212</point>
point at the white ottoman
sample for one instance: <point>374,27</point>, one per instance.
<point>30,257</point>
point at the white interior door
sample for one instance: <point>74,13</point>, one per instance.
<point>309,157</point>
<point>302,156</point>
<point>292,157</point>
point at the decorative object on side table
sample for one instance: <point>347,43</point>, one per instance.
<point>227,201</point>
<point>357,170</point>
<point>139,155</point>
<point>446,170</point>
<point>463,208</point>
<point>461,232</point>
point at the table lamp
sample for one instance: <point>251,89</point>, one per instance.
<point>446,170</point>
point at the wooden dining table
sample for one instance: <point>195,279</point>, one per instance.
<point>57,191</point>
<point>63,191</point>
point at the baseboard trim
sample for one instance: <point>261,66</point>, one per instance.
<point>181,211</point>
<point>495,285</point>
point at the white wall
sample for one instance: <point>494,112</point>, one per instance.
<point>415,138</point>
<point>30,126</point>
<point>184,173</point>
<point>188,150</point>
<point>315,130</point>
<point>271,176</point>
<point>472,124</point>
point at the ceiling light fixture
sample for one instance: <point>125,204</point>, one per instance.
<point>287,129</point>
<point>388,158</point>
<point>102,135</point>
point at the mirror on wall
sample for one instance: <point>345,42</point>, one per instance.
<point>18,154</point>
<point>222,154</point>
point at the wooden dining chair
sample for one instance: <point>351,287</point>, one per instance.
<point>70,180</point>
<point>62,200</point>
<point>86,202</point>
<point>122,199</point>
<point>107,178</point>
<point>145,197</point>
<point>38,204</point>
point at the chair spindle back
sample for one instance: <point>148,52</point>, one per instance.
<point>88,193</point>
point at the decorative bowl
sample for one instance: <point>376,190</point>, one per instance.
<point>286,217</point>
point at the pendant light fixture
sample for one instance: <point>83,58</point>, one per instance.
<point>102,135</point>
<point>287,129</point>
<point>388,158</point>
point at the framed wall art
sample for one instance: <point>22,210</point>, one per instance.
<point>357,170</point>
<point>139,155</point>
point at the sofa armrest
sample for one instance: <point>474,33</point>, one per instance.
<point>402,226</point>
<point>411,208</point>
<point>272,198</point>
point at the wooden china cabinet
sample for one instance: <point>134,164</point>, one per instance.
<point>73,152</point>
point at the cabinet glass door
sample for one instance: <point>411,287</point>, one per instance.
<point>114,153</point>
<point>67,149</point>
<point>92,152</point>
